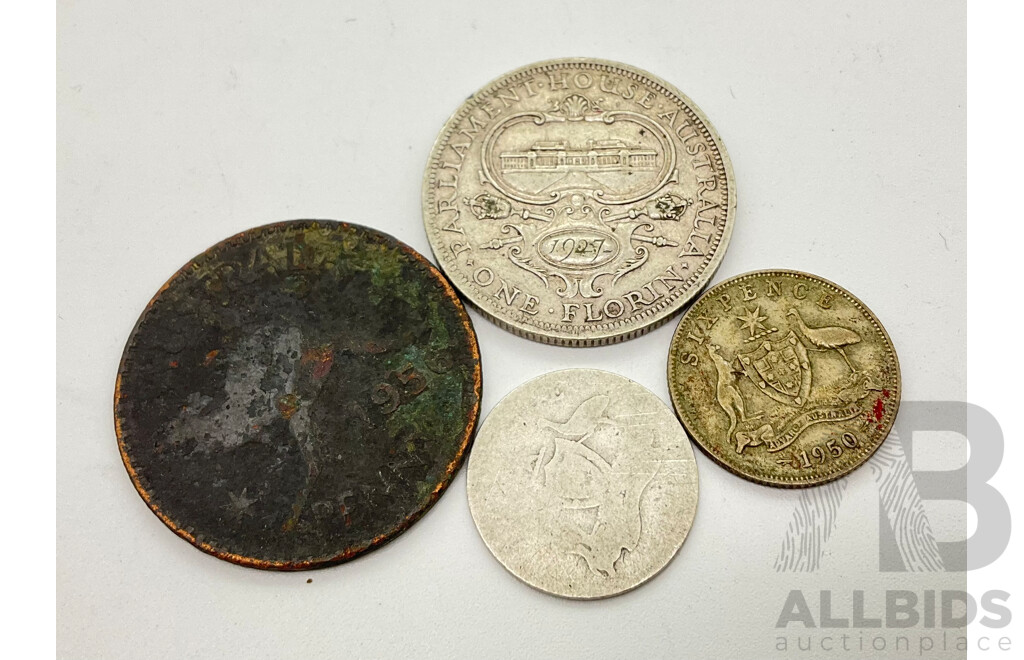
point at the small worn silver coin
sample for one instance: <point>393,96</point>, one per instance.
<point>582,483</point>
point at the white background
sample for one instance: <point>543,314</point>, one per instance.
<point>183,124</point>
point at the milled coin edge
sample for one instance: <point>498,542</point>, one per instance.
<point>565,339</point>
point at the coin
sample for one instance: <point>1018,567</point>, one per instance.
<point>582,483</point>
<point>579,202</point>
<point>298,394</point>
<point>784,378</point>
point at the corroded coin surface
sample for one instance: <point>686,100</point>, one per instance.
<point>579,202</point>
<point>582,483</point>
<point>298,394</point>
<point>784,378</point>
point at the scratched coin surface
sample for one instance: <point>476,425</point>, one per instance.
<point>298,394</point>
<point>784,378</point>
<point>582,483</point>
<point>579,202</point>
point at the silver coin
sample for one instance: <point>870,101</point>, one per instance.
<point>579,202</point>
<point>582,483</point>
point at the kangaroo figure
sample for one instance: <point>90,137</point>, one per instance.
<point>728,395</point>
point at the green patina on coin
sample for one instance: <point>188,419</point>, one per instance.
<point>298,394</point>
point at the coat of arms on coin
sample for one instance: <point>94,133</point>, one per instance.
<point>298,394</point>
<point>784,378</point>
<point>582,483</point>
<point>579,202</point>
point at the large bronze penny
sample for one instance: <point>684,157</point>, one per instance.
<point>784,378</point>
<point>298,394</point>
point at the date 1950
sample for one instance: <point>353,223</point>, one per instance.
<point>829,450</point>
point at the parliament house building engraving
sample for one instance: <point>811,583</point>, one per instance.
<point>596,156</point>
